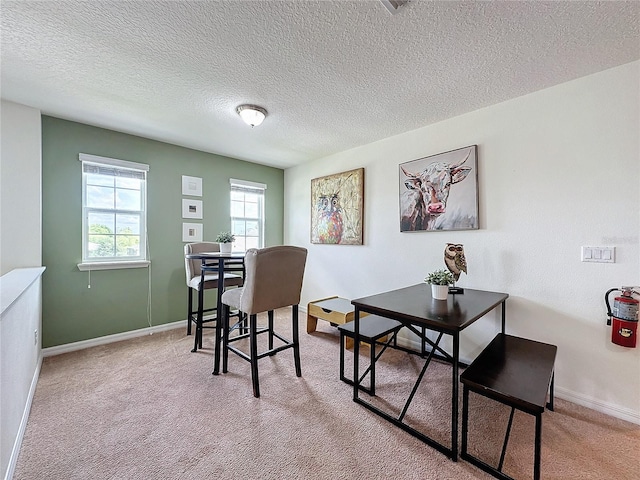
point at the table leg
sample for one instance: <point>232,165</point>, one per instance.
<point>356,352</point>
<point>216,360</point>
<point>551,388</point>
<point>225,337</point>
<point>538,447</point>
<point>220,290</point>
<point>454,398</point>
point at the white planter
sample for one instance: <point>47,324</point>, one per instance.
<point>439,292</point>
<point>226,247</point>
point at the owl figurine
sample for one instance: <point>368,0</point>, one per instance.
<point>454,259</point>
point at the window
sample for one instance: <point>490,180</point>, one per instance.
<point>247,214</point>
<point>114,216</point>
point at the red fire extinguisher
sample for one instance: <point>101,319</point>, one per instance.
<point>624,316</point>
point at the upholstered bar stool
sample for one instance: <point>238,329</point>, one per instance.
<point>273,280</point>
<point>198,282</point>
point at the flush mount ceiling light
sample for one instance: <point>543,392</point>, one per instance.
<point>251,114</point>
<point>393,5</point>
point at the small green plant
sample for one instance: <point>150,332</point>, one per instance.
<point>225,237</point>
<point>439,277</point>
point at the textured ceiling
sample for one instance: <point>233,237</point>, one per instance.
<point>333,75</point>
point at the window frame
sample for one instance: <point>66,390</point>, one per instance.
<point>113,262</point>
<point>249,187</point>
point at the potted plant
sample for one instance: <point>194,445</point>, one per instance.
<point>440,281</point>
<point>225,239</point>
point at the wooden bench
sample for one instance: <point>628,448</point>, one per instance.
<point>516,372</point>
<point>373,329</point>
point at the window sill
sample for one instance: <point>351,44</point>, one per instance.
<point>83,267</point>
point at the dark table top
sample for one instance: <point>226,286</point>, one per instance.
<point>415,305</point>
<point>214,255</point>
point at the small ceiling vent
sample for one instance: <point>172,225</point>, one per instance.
<point>394,5</point>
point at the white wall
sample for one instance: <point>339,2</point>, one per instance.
<point>20,246</point>
<point>20,316</point>
<point>20,187</point>
<point>558,169</point>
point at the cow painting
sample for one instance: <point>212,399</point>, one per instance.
<point>425,191</point>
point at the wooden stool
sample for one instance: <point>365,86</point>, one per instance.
<point>372,329</point>
<point>516,372</point>
<point>335,310</point>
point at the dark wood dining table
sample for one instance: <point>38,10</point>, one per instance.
<point>415,308</point>
<point>219,263</point>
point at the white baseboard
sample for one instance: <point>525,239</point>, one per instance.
<point>72,347</point>
<point>13,459</point>
<point>598,405</point>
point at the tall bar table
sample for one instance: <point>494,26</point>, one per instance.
<point>219,263</point>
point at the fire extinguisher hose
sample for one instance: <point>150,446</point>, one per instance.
<point>606,301</point>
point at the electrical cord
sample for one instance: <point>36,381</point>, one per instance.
<point>149,282</point>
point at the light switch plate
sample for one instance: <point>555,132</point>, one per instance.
<point>599,254</point>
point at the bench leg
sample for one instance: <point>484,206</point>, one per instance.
<point>342,377</point>
<point>465,418</point>
<point>506,439</point>
<point>497,471</point>
<point>372,359</point>
<point>344,342</point>
<point>347,342</point>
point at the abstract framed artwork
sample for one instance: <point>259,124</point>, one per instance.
<point>191,232</point>
<point>191,186</point>
<point>337,208</point>
<point>440,192</point>
<point>191,208</point>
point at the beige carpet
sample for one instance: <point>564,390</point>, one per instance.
<point>147,408</point>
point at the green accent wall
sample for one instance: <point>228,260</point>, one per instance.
<point>118,299</point>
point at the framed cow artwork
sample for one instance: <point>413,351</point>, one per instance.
<point>337,204</point>
<point>440,192</point>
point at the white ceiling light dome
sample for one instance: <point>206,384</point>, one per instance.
<point>251,114</point>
